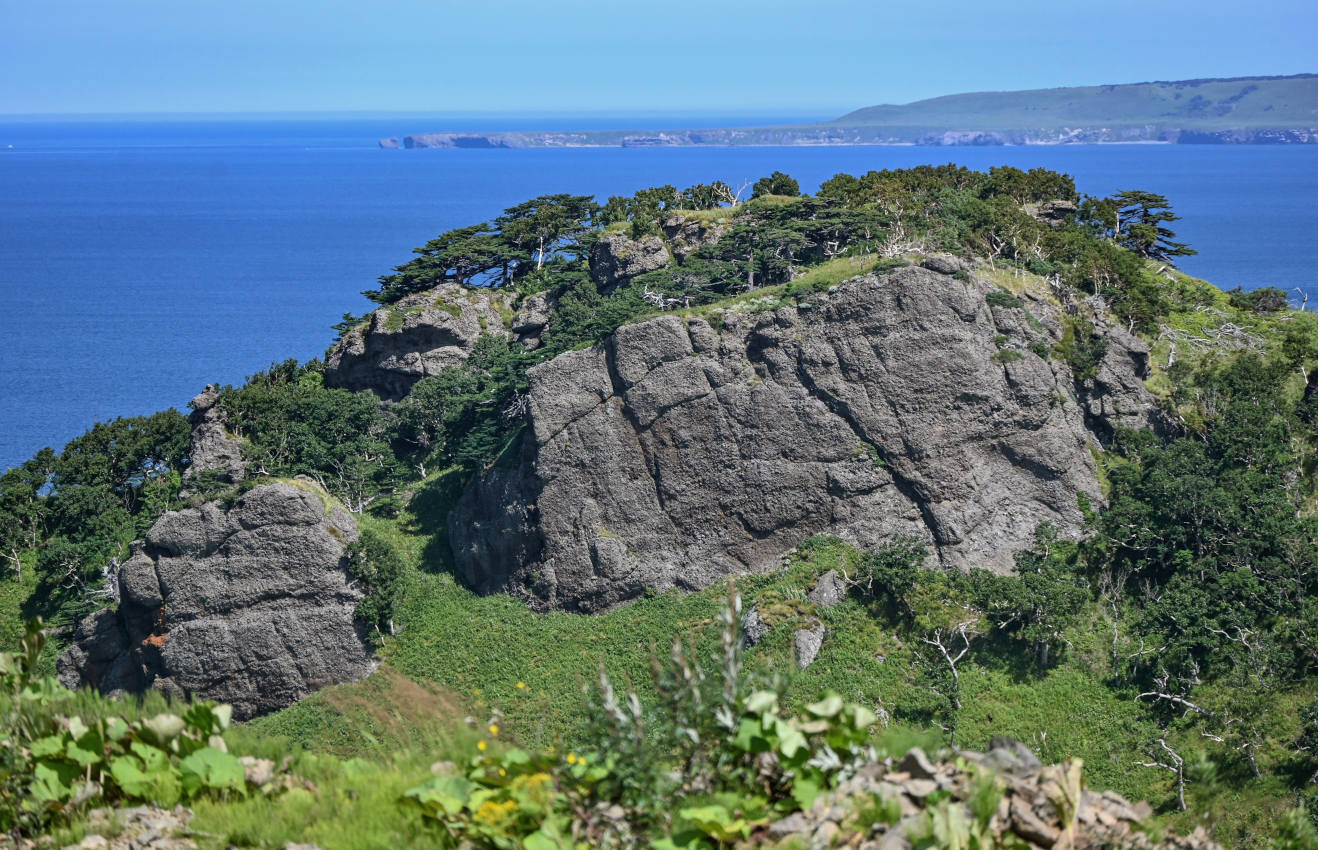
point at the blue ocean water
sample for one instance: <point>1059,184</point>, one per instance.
<point>141,260</point>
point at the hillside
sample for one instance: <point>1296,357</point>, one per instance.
<point>933,457</point>
<point>1239,110</point>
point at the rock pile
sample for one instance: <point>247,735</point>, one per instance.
<point>1005,792</point>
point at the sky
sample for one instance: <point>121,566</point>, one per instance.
<point>822,57</point>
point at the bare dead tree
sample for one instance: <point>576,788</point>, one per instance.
<point>1163,692</point>
<point>1175,764</point>
<point>944,640</point>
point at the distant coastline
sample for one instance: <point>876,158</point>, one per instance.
<point>1235,111</point>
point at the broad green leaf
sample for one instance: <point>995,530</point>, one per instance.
<point>87,750</point>
<point>211,769</point>
<point>115,729</point>
<point>829,706</point>
<point>48,747</point>
<point>159,784</point>
<point>790,739</point>
<point>445,795</point>
<point>750,737</point>
<point>805,789</point>
<point>163,728</point>
<point>762,702</point>
<point>862,717</point>
<point>54,781</point>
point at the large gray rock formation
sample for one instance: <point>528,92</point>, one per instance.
<point>678,454</point>
<point>250,605</point>
<point>212,450</point>
<point>418,336</point>
<point>617,258</point>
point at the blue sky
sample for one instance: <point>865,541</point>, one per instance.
<point>725,56</point>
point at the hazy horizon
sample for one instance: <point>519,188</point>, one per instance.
<point>150,58</point>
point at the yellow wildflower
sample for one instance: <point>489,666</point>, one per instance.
<point>480,745</point>
<point>521,686</point>
<point>494,728</point>
<point>571,758</point>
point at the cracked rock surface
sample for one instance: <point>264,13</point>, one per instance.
<point>678,453</point>
<point>249,605</point>
<point>416,337</point>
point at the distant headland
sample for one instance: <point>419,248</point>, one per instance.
<point>1236,110</point>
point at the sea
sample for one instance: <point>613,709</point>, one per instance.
<point>141,259</point>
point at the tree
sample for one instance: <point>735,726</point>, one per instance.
<point>463,256</point>
<point>776,183</point>
<point>545,225</point>
<point>1141,217</point>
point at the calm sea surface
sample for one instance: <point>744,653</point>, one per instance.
<point>140,261</point>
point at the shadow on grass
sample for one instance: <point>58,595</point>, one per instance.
<point>427,516</point>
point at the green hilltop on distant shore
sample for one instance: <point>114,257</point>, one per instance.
<point>1237,110</point>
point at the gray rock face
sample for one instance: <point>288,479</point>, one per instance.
<point>1116,396</point>
<point>617,258</point>
<point>677,454</point>
<point>212,449</point>
<point>251,606</point>
<point>416,337</point>
<point>686,235</point>
<point>532,318</point>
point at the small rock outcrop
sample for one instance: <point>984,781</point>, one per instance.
<point>677,454</point>
<point>532,318</point>
<point>686,234</point>
<point>617,258</point>
<point>416,337</point>
<point>1115,396</point>
<point>1039,806</point>
<point>249,605</point>
<point>213,450</point>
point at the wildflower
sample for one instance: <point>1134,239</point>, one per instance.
<point>521,686</point>
<point>503,772</point>
<point>571,758</point>
<point>480,745</point>
<point>494,728</point>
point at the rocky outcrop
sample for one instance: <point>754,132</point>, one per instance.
<point>213,453</point>
<point>532,318</point>
<point>418,336</point>
<point>1115,396</point>
<point>677,454</point>
<point>1037,806</point>
<point>687,234</point>
<point>617,258</point>
<point>249,605</point>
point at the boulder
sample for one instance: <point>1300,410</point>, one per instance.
<point>249,605</point>
<point>806,644</point>
<point>416,337</point>
<point>828,591</point>
<point>678,454</point>
<point>617,258</point>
